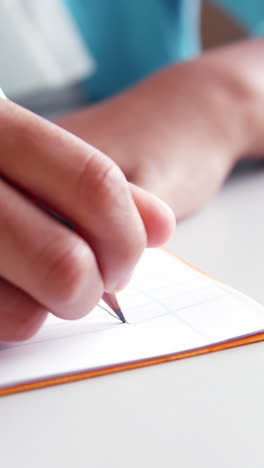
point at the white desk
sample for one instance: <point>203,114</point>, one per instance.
<point>198,413</point>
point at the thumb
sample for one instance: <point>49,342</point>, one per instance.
<point>157,216</point>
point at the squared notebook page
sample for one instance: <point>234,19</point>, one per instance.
<point>170,307</point>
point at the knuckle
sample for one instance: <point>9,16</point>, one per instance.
<point>21,334</point>
<point>27,326</point>
<point>20,317</point>
<point>67,272</point>
<point>135,252</point>
<point>116,230</point>
<point>133,246</point>
<point>101,177</point>
<point>110,181</point>
<point>125,256</point>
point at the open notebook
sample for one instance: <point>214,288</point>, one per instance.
<point>173,311</point>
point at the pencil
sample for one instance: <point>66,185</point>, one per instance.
<point>111,301</point>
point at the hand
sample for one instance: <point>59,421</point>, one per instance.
<point>44,266</point>
<point>180,132</point>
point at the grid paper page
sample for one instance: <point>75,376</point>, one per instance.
<point>170,308</point>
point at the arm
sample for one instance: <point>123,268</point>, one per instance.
<point>179,132</point>
<point>239,70</point>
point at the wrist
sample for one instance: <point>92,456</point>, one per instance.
<point>237,72</point>
<point>211,99</point>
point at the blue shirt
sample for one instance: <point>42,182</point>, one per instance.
<point>129,39</point>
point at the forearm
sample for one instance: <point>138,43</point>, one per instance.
<point>238,73</point>
<point>179,132</point>
<point>222,90</point>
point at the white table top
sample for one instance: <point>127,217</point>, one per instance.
<point>196,413</point>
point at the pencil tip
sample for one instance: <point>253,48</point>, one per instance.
<point>120,315</point>
<point>111,301</point>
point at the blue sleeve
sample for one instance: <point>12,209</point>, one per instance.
<point>130,39</point>
<point>249,12</point>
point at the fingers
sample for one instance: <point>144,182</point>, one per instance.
<point>20,315</point>
<point>54,267</point>
<point>78,182</point>
<point>158,218</point>
<point>46,260</point>
<point>65,271</point>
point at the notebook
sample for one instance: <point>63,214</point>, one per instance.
<point>173,311</point>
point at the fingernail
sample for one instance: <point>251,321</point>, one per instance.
<point>167,208</point>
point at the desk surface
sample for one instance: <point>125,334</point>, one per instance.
<point>202,412</point>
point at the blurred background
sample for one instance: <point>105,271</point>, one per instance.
<point>50,82</point>
<point>218,27</point>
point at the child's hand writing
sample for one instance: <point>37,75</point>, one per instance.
<point>44,266</point>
